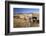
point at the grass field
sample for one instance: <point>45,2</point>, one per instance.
<point>25,20</point>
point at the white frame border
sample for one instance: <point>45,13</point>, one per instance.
<point>24,29</point>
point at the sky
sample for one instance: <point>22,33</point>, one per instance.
<point>25,10</point>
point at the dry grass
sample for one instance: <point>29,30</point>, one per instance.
<point>24,22</point>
